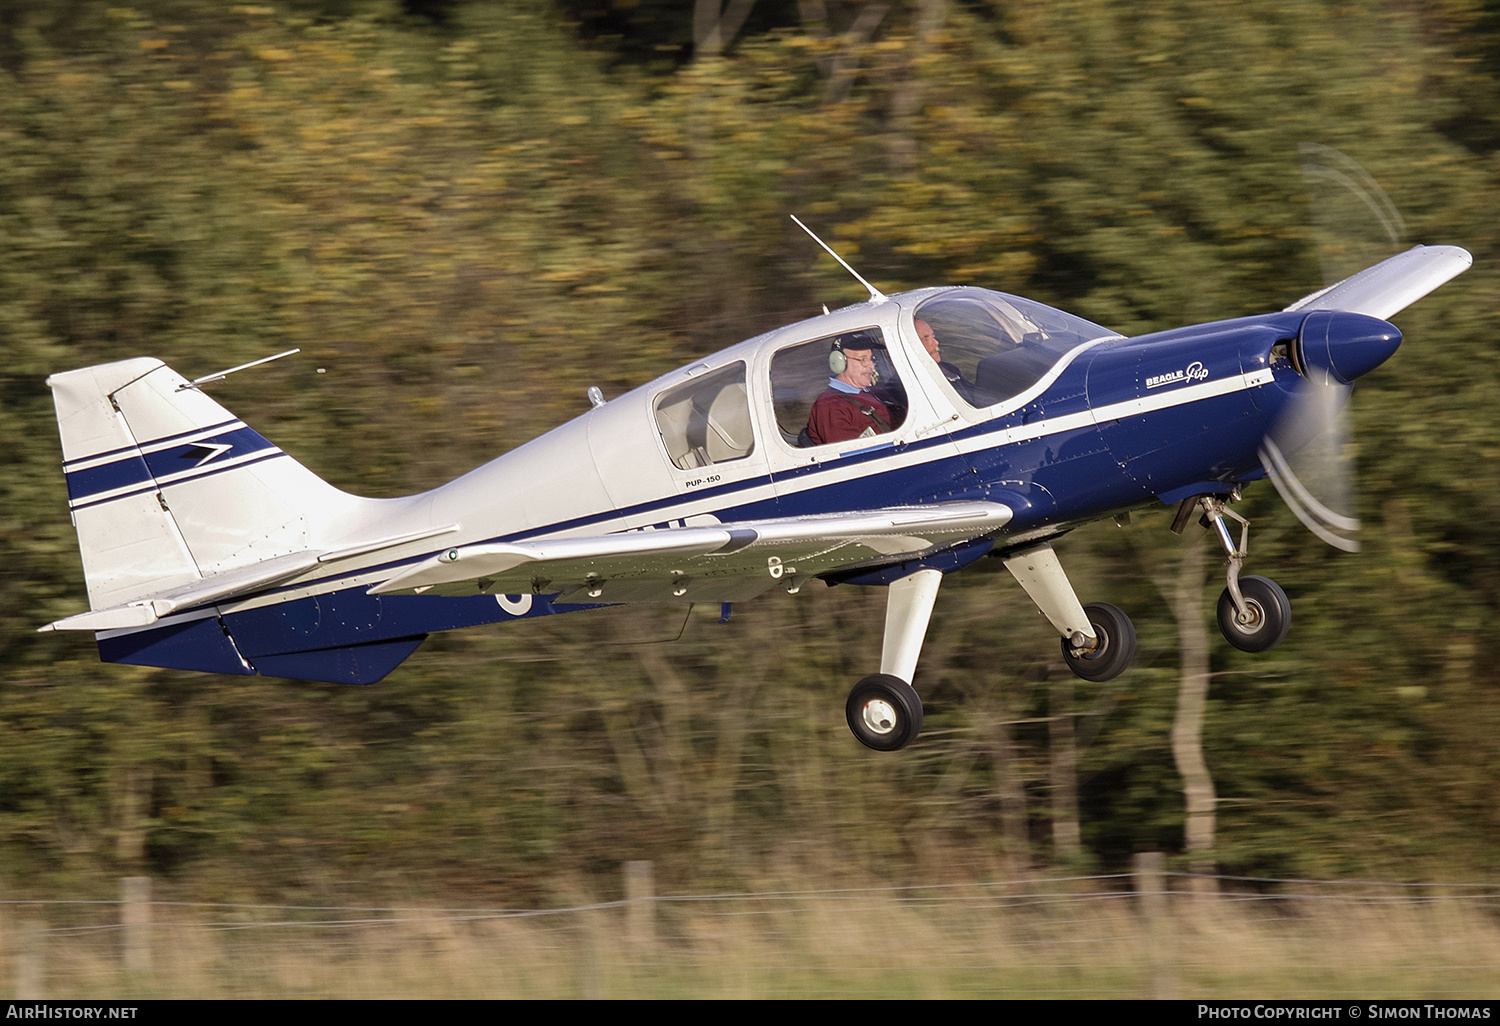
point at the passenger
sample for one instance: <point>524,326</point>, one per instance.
<point>847,409</point>
<point>934,349</point>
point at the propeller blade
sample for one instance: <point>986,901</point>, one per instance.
<point>1308,454</point>
<point>1309,458</point>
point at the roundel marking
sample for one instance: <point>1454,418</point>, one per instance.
<point>515,605</point>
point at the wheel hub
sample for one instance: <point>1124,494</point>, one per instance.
<point>1252,617</point>
<point>879,716</point>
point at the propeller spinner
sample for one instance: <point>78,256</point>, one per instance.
<point>1308,453</point>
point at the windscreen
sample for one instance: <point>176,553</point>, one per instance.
<point>992,346</point>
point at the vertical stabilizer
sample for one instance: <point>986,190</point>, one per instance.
<point>166,486</point>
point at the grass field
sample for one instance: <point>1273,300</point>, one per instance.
<point>929,943</point>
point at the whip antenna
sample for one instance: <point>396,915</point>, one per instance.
<point>875,294</point>
<point>221,375</point>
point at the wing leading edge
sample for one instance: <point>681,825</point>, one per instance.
<point>722,563</point>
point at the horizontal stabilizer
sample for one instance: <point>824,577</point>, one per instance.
<point>1391,285</point>
<point>716,563</point>
<point>246,580</point>
<point>147,610</point>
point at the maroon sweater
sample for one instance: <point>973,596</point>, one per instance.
<point>839,416</point>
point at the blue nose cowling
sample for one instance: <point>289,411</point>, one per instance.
<point>1345,345</point>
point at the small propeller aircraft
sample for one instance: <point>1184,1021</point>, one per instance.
<point>887,443</point>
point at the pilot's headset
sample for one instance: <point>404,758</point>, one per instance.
<point>838,362</point>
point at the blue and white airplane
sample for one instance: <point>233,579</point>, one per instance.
<point>1007,423</point>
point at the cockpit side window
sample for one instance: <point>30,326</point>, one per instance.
<point>992,346</point>
<point>802,379</point>
<point>707,420</point>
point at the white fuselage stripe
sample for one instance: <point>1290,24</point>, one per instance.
<point>831,473</point>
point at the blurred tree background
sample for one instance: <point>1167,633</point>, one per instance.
<point>467,212</point>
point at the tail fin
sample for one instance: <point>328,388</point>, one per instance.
<point>166,486</point>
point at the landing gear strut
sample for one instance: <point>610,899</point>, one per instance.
<point>1254,613</point>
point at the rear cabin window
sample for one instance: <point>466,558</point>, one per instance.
<point>800,373</point>
<point>707,420</point>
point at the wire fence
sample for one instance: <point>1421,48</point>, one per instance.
<point>994,894</point>
<point>1147,933</point>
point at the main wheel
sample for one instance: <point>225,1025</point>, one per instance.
<point>1269,615</point>
<point>1116,644</point>
<point>884,712</point>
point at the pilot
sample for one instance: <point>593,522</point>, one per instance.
<point>934,349</point>
<point>847,408</point>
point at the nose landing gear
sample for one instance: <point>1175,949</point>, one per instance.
<point>1254,613</point>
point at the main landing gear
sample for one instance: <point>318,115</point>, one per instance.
<point>1254,613</point>
<point>884,711</point>
<point>1098,640</point>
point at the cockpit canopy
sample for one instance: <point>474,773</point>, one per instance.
<point>995,346</point>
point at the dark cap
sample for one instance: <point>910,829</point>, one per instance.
<point>856,340</point>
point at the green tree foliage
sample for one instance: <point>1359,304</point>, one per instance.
<point>467,217</point>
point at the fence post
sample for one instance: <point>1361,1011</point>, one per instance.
<point>1151,892</point>
<point>640,905</point>
<point>28,966</point>
<point>135,917</point>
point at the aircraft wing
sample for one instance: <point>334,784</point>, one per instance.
<point>1391,285</point>
<point>721,563</point>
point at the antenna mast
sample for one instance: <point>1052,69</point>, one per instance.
<point>875,294</point>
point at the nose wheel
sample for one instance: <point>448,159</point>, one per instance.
<point>884,712</point>
<point>1264,620</point>
<point>1254,613</point>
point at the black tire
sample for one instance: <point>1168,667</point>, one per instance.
<point>1116,646</point>
<point>884,712</point>
<point>1270,615</point>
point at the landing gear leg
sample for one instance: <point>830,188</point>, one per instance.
<point>883,710</point>
<point>1098,640</point>
<point>1254,613</point>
